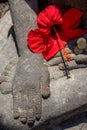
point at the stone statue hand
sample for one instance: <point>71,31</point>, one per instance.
<point>30,84</point>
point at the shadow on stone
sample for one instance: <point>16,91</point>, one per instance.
<point>12,32</point>
<point>75,121</point>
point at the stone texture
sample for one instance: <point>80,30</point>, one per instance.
<point>8,54</point>
<point>68,96</point>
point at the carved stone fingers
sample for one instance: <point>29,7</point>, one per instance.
<point>45,81</point>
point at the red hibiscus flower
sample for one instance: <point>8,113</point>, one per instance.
<point>54,30</point>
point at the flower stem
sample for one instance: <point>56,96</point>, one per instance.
<point>66,72</point>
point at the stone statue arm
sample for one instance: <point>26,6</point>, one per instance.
<point>31,81</point>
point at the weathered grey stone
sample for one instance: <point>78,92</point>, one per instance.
<point>8,55</point>
<point>65,98</point>
<point>68,96</point>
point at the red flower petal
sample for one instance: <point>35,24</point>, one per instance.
<point>71,21</point>
<point>68,34</point>
<point>49,17</point>
<point>72,18</point>
<point>48,46</point>
<point>35,41</point>
<point>53,47</point>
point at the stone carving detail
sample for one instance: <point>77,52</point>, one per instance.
<point>27,81</point>
<point>77,60</point>
<point>31,81</point>
<point>31,66</point>
<point>4,7</point>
